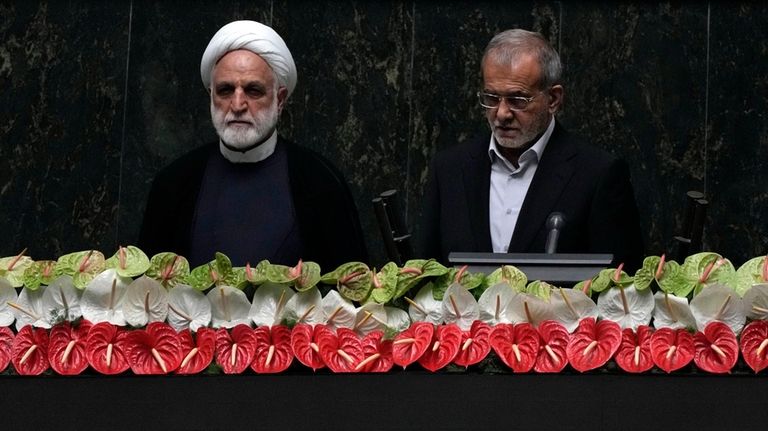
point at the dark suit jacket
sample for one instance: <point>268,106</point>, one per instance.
<point>325,211</point>
<point>590,187</point>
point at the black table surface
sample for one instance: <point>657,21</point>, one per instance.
<point>399,400</point>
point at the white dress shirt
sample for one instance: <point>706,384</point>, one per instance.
<point>509,186</point>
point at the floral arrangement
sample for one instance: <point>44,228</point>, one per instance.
<point>159,316</point>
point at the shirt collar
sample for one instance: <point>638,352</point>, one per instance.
<point>535,152</point>
<point>257,154</point>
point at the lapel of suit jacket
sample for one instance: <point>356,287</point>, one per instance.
<point>552,175</point>
<point>477,184</point>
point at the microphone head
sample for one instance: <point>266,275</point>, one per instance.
<point>556,220</point>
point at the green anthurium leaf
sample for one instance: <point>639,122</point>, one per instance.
<point>13,268</point>
<point>753,271</point>
<point>258,275</point>
<point>646,276</point>
<point>509,274</point>
<point>39,273</point>
<point>705,268</point>
<point>385,283</point>
<point>201,277</point>
<point>416,270</point>
<point>607,279</point>
<point>440,284</point>
<point>354,282</point>
<point>308,277</point>
<point>129,261</point>
<point>237,278</point>
<point>540,289</point>
<point>279,274</point>
<point>83,266</point>
<point>169,269</point>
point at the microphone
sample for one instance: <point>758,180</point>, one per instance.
<point>555,223</point>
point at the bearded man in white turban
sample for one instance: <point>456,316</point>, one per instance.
<point>253,195</point>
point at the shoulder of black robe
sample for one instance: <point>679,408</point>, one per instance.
<point>171,203</point>
<point>325,210</point>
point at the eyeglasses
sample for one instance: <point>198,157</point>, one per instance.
<point>515,103</point>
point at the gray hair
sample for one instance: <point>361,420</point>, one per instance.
<point>508,45</point>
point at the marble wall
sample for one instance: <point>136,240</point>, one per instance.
<point>97,96</point>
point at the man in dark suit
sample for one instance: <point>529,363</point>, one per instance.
<point>496,194</point>
<point>252,195</point>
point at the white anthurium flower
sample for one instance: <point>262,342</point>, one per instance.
<point>672,312</point>
<point>145,301</point>
<point>28,309</point>
<point>7,294</point>
<point>530,308</point>
<point>570,306</point>
<point>269,304</point>
<point>61,300</point>
<point>102,299</point>
<point>370,317</point>
<point>460,307</point>
<point>229,307</point>
<point>338,312</point>
<point>188,308</point>
<point>397,319</point>
<point>755,302</point>
<point>495,304</point>
<point>425,308</point>
<point>626,306</point>
<point>717,302</point>
<point>305,307</point>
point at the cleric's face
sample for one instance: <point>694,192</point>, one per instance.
<point>519,126</point>
<point>245,99</point>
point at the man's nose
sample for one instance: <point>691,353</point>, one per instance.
<point>504,111</point>
<point>239,103</point>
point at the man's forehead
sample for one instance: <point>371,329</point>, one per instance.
<point>242,63</point>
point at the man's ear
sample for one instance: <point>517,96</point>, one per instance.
<point>556,95</point>
<point>282,97</point>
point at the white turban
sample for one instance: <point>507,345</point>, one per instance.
<point>257,38</point>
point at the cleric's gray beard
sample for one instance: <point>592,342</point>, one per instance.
<point>241,138</point>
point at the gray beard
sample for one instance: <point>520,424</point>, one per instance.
<point>242,139</point>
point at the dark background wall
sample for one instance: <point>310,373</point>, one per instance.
<point>97,96</point>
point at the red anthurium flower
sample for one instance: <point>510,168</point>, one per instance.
<point>235,349</point>
<point>411,344</point>
<point>107,348</point>
<point>377,353</point>
<point>593,344</point>
<point>341,351</point>
<point>443,348</point>
<point>67,346</point>
<point>6,341</point>
<point>273,349</point>
<point>29,352</point>
<point>716,348</point>
<point>553,356</point>
<point>672,349</point>
<point>154,350</point>
<point>634,354</point>
<point>475,344</point>
<point>754,345</point>
<point>197,351</point>
<point>516,345</point>
<point>304,345</point>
